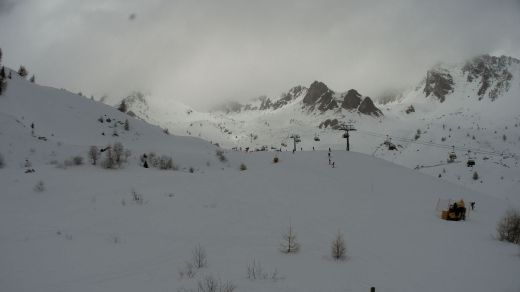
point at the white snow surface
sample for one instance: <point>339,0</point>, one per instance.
<point>85,233</point>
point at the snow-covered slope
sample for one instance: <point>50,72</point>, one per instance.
<point>469,106</point>
<point>85,232</point>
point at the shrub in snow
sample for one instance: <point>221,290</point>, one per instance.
<point>475,176</point>
<point>508,227</point>
<point>210,284</point>
<point>137,197</point>
<point>115,156</point>
<point>221,156</point>
<point>2,163</point>
<point>166,163</point>
<point>77,160</point>
<point>339,248</point>
<point>188,271</point>
<point>192,170</point>
<point>289,243</point>
<point>199,257</point>
<point>39,187</point>
<point>256,272</point>
<point>275,159</point>
<point>243,167</point>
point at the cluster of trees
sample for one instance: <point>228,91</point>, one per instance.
<point>115,155</point>
<point>22,72</point>
<point>163,162</point>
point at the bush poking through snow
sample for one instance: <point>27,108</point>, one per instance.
<point>256,272</point>
<point>243,167</point>
<point>137,197</point>
<point>199,257</point>
<point>39,187</point>
<point>339,248</point>
<point>188,271</point>
<point>221,156</point>
<point>508,228</point>
<point>210,284</point>
<point>2,163</point>
<point>289,243</point>
<point>475,176</point>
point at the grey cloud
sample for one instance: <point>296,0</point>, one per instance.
<point>202,51</point>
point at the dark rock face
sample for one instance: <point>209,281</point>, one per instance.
<point>352,100</point>
<point>266,103</point>
<point>439,83</point>
<point>333,124</point>
<point>288,97</point>
<point>321,96</point>
<point>367,107</point>
<point>316,90</point>
<point>492,74</point>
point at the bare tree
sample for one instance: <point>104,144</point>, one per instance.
<point>289,243</point>
<point>199,257</point>
<point>339,248</point>
<point>93,154</point>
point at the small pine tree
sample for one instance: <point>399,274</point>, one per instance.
<point>243,167</point>
<point>127,125</point>
<point>339,248</point>
<point>123,107</point>
<point>289,243</point>
<point>33,79</point>
<point>475,176</point>
<point>3,81</point>
<point>23,72</point>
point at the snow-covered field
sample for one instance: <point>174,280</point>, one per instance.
<point>84,231</point>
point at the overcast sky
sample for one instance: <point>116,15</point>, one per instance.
<point>202,51</point>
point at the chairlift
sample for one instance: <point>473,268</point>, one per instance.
<point>471,162</point>
<point>452,157</point>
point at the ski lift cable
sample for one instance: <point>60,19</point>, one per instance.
<point>433,144</point>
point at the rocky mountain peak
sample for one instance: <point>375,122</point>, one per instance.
<point>351,100</point>
<point>320,96</point>
<point>492,73</point>
<point>367,107</point>
<point>439,83</point>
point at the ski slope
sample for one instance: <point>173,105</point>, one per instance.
<point>84,232</point>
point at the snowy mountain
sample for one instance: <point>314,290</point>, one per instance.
<point>470,108</point>
<point>82,227</point>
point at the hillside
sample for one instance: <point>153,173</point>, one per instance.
<point>86,231</point>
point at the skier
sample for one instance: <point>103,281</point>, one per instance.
<point>472,204</point>
<point>333,164</point>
